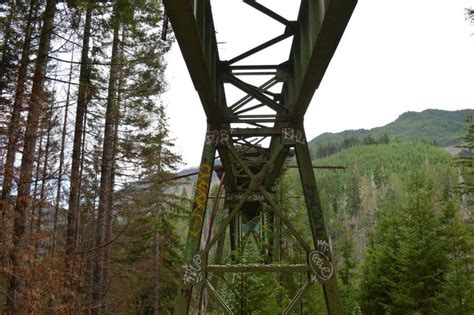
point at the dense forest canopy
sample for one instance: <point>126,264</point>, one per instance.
<point>90,223</point>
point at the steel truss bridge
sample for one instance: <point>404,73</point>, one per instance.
<point>253,139</point>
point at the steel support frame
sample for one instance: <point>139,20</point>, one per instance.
<point>196,222</point>
<point>250,168</point>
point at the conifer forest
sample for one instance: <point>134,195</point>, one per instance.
<point>94,212</point>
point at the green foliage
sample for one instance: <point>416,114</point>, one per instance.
<point>458,291</point>
<point>374,211</point>
<point>251,293</point>
<point>442,128</point>
<point>398,274</point>
<point>465,161</point>
<point>148,254</point>
<point>413,258</point>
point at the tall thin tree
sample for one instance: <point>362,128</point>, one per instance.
<point>35,106</point>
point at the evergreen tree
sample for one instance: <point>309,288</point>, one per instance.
<point>353,193</point>
<point>465,161</point>
<point>407,258</point>
<point>423,256</point>
<point>380,273</point>
<point>458,291</point>
<point>23,202</point>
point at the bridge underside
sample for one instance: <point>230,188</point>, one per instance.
<point>253,138</point>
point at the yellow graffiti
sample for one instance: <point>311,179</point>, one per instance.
<point>200,199</point>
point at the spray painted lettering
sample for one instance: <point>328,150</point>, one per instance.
<point>193,271</point>
<point>293,135</point>
<point>199,204</point>
<point>323,245</point>
<point>321,265</point>
<point>217,137</point>
<point>236,196</point>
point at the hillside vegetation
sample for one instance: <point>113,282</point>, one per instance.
<point>442,128</point>
<point>400,237</point>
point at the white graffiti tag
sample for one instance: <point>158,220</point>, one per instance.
<point>321,265</point>
<point>217,137</point>
<point>193,271</point>
<point>236,196</point>
<point>323,245</point>
<point>293,135</point>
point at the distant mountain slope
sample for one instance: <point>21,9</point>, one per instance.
<point>443,128</point>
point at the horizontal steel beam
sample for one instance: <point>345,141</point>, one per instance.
<point>255,132</point>
<point>257,268</point>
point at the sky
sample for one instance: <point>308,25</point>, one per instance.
<point>395,56</point>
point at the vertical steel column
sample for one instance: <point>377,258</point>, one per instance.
<point>316,219</point>
<point>196,223</point>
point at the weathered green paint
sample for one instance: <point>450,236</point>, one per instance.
<point>316,218</point>
<point>258,268</point>
<point>190,30</point>
<point>196,223</point>
<point>321,25</point>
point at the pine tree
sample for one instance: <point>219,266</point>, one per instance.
<point>465,161</point>
<point>458,291</point>
<point>353,193</point>
<point>14,124</point>
<point>23,197</point>
<point>423,256</point>
<point>83,94</point>
<point>407,258</point>
<point>380,273</point>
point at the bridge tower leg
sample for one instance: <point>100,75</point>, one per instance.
<point>255,193</point>
<point>254,138</point>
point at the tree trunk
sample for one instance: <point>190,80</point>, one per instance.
<point>6,62</point>
<point>14,298</point>
<point>83,93</point>
<point>14,125</point>
<point>107,166</point>
<point>61,159</point>
<point>39,154</point>
<point>110,202</point>
<point>44,175</point>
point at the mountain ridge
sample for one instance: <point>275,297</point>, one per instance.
<point>439,127</point>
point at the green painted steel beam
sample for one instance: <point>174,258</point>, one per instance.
<point>258,268</point>
<point>316,220</point>
<point>321,24</point>
<point>194,31</point>
<point>255,132</point>
<point>196,224</point>
<point>255,93</point>
<point>251,171</point>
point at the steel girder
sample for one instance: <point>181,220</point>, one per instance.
<point>238,132</point>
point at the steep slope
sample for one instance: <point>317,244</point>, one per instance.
<point>443,128</point>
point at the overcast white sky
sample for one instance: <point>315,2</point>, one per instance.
<point>395,56</point>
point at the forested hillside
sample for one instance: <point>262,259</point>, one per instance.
<point>402,236</point>
<point>439,127</point>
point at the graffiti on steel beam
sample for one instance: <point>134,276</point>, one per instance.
<point>217,137</point>
<point>193,273</point>
<point>293,135</point>
<point>199,204</point>
<point>321,265</point>
<point>236,196</point>
<point>323,246</point>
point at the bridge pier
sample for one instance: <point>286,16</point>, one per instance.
<point>254,138</point>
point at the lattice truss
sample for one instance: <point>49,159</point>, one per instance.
<point>252,138</point>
